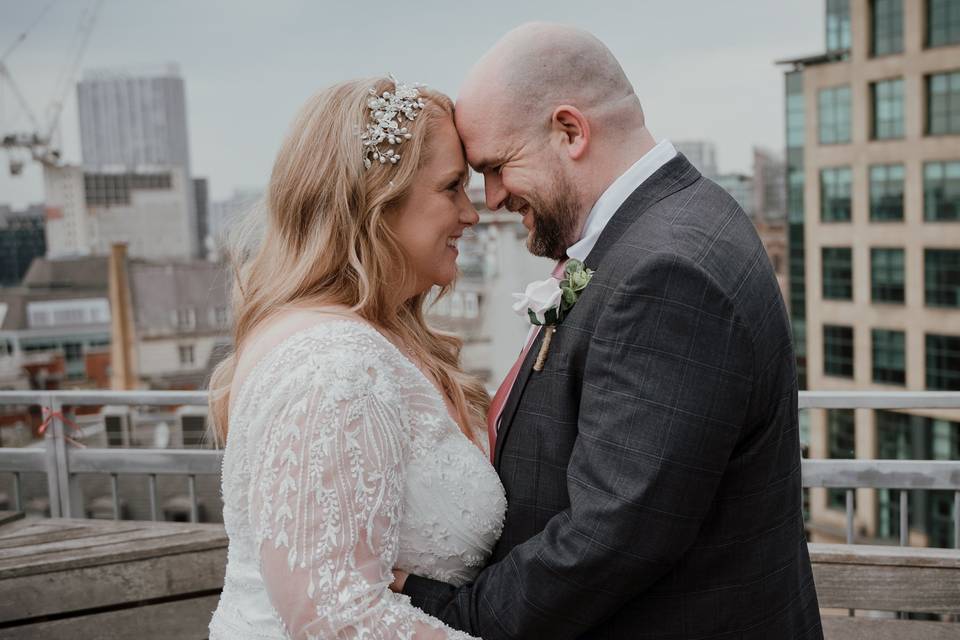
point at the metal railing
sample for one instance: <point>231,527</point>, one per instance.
<point>62,462</point>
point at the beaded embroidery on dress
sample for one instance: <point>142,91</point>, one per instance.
<point>342,463</point>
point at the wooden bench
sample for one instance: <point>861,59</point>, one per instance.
<point>103,579</point>
<point>80,579</point>
<point>887,579</point>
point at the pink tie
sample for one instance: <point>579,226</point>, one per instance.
<point>500,398</point>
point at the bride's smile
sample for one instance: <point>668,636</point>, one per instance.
<point>429,222</point>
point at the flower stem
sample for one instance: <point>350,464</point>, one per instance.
<point>544,347</point>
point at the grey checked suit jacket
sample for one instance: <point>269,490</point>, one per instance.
<point>652,468</point>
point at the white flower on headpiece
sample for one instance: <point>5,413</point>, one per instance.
<point>388,112</point>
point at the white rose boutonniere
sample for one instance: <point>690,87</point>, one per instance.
<point>547,302</point>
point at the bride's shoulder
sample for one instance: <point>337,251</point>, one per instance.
<point>307,341</point>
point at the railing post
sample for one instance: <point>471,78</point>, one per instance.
<point>74,490</point>
<point>904,518</point>
<point>956,519</point>
<point>192,484</point>
<point>850,508</point>
<point>51,453</point>
<point>115,494</point>
<point>17,492</point>
<point>154,511</point>
<point>55,428</point>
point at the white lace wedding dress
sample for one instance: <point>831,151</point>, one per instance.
<point>342,462</point>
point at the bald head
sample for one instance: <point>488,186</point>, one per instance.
<point>550,120</point>
<point>538,66</point>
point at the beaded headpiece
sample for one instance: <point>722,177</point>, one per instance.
<point>388,114</point>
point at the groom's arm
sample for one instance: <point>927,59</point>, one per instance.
<point>665,393</point>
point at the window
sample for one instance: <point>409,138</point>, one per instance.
<point>897,439</point>
<point>840,434</point>
<point>943,362</point>
<point>471,305</point>
<point>841,444</point>
<point>73,351</point>
<point>886,275</point>
<point>940,519</point>
<point>834,115</point>
<point>946,439</point>
<point>943,22</point>
<point>887,99</point>
<point>186,318</point>
<point>76,366</point>
<point>186,354</point>
<point>941,191</point>
<point>889,359</point>
<point>794,104</point>
<point>838,351</point>
<point>194,429</point>
<point>835,194</point>
<point>902,436</point>
<point>796,127</point>
<point>943,103</point>
<point>888,513</point>
<point>837,273</point>
<point>941,277</point>
<point>886,192</point>
<point>886,27</point>
<point>899,435</point>
<point>221,317</point>
<point>838,25</point>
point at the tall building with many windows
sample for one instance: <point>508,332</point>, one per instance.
<point>133,118</point>
<point>873,205</point>
<point>87,212</point>
<point>134,121</point>
<point>21,240</point>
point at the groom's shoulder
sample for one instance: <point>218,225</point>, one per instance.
<point>699,226</point>
<point>690,222</point>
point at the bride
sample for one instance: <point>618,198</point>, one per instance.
<point>354,441</point>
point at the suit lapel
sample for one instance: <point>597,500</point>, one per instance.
<point>675,175</point>
<point>516,392</point>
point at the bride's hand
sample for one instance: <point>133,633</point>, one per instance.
<point>399,579</point>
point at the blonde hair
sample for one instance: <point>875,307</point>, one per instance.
<point>326,243</point>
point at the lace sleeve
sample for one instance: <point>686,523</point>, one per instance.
<point>327,498</point>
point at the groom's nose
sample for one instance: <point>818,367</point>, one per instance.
<point>494,191</point>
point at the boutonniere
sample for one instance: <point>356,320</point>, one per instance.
<point>546,302</point>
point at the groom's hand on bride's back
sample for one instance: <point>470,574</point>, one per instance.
<point>399,579</point>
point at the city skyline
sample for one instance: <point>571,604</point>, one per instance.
<point>248,68</point>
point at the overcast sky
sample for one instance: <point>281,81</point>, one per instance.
<point>704,69</point>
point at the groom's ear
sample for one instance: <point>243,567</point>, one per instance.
<point>571,129</point>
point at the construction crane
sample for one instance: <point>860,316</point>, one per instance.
<point>41,144</point>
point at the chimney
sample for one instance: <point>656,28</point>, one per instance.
<point>124,374</point>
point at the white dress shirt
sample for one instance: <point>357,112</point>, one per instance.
<point>616,194</point>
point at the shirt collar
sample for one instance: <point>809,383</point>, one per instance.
<point>616,194</point>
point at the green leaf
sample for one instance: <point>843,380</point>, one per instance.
<point>569,295</point>
<point>533,318</point>
<point>573,265</point>
<point>551,316</point>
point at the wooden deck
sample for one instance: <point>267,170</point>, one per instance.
<point>78,579</point>
<point>65,578</point>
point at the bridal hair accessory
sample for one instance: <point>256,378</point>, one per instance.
<point>388,114</point>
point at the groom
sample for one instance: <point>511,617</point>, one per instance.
<point>652,467</point>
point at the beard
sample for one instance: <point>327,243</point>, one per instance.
<point>556,218</point>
